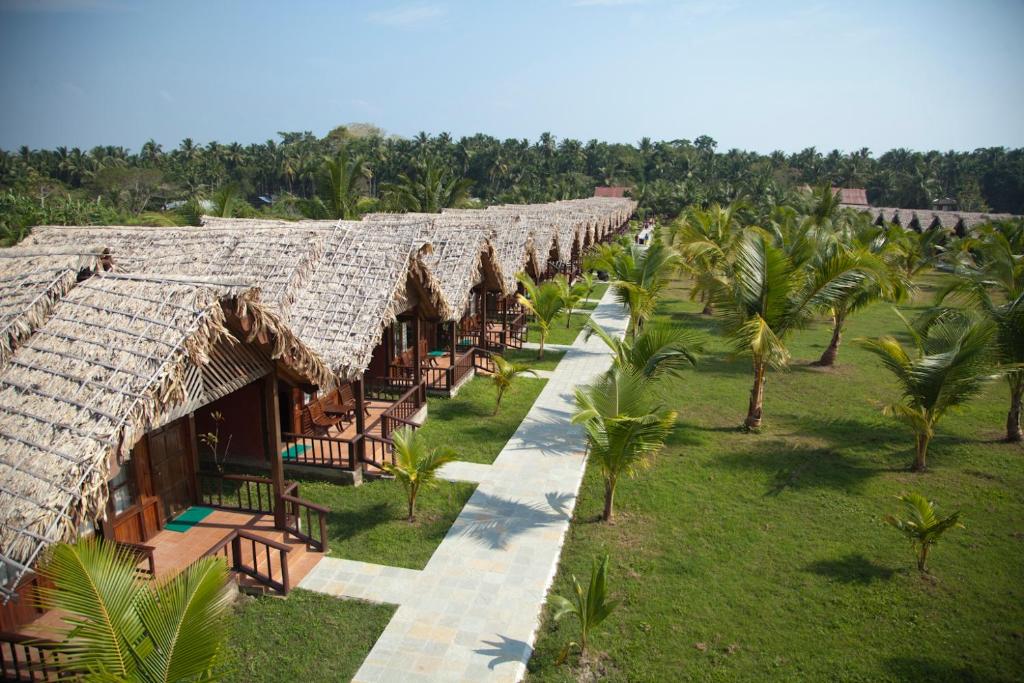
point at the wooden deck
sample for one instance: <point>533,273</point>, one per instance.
<point>174,551</point>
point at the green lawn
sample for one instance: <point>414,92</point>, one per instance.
<point>559,333</point>
<point>466,423</point>
<point>306,637</point>
<point>764,557</point>
<point>369,522</point>
<point>599,291</point>
<point>528,357</point>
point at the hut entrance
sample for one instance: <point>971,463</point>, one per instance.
<point>169,461</point>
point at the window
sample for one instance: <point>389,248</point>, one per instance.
<point>122,489</point>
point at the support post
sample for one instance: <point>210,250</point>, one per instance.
<point>483,318</point>
<point>360,392</point>
<point>417,362</point>
<point>503,302</point>
<point>274,445</point>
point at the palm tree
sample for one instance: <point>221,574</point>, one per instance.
<point>768,293</point>
<point>340,184</point>
<point>952,358</point>
<point>415,465</point>
<point>587,283</point>
<point>544,302</point>
<point>570,295</point>
<point>657,351</point>
<point>505,372</point>
<point>639,275</point>
<point>121,627</point>
<point>590,606</point>
<point>923,527</point>
<point>623,424</point>
<point>428,189</point>
<point>224,201</point>
<point>707,241</point>
<point>885,281</point>
<point>990,279</point>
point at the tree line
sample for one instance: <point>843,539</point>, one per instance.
<point>358,168</point>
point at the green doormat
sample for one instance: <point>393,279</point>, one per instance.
<point>188,519</point>
<point>293,451</point>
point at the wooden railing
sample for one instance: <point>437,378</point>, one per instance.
<point>27,659</point>
<point>463,366</point>
<point>233,549</point>
<point>142,554</point>
<point>315,535</point>
<point>250,494</point>
<point>436,378</point>
<point>482,360</point>
<point>322,451</point>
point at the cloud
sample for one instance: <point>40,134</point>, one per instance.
<point>407,15</point>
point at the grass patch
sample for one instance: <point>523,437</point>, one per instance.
<point>559,333</point>
<point>763,556</point>
<point>528,357</point>
<point>466,422</point>
<point>368,523</point>
<point>307,637</point>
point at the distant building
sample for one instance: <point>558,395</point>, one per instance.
<point>852,196</point>
<point>615,191</point>
<point>944,204</point>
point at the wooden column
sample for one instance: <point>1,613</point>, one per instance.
<point>417,362</point>
<point>503,303</point>
<point>274,445</point>
<point>453,326</point>
<point>359,389</point>
<point>483,318</point>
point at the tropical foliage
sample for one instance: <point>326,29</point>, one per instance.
<point>544,302</point>
<point>922,525</point>
<point>504,374</point>
<point>624,426</point>
<point>950,361</point>
<point>657,351</point>
<point>120,627</point>
<point>590,607</point>
<point>416,464</point>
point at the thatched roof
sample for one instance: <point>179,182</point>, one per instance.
<point>32,280</point>
<point>931,219</point>
<point>368,266</point>
<point>106,363</point>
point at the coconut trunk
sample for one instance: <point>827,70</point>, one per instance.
<point>756,407</point>
<point>1013,430</point>
<point>828,358</point>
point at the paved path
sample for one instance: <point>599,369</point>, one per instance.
<point>472,613</point>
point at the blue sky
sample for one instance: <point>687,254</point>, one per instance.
<point>753,75</point>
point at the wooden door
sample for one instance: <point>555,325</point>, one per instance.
<point>170,465</point>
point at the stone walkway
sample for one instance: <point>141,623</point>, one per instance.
<point>472,613</point>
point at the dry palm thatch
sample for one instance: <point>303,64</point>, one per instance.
<point>106,364</point>
<point>32,280</point>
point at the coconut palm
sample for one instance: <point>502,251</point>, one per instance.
<point>639,275</point>
<point>706,240</point>
<point>657,351</point>
<point>570,295</point>
<point>504,374</point>
<point>544,302</point>
<point>590,606</point>
<point>624,426</point>
<point>428,189</point>
<point>922,526</point>
<point>340,183</point>
<point>415,465</point>
<point>990,279</point>
<point>120,627</point>
<point>587,283</point>
<point>768,293</point>
<point>882,280</point>
<point>225,199</point>
<point>951,360</point>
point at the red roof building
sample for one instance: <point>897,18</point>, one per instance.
<point>854,196</point>
<point>610,191</point>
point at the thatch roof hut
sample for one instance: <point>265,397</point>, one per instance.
<point>106,364</point>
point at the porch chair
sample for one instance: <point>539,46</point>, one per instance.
<point>346,402</point>
<point>321,421</point>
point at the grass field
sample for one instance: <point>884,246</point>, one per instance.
<point>466,422</point>
<point>559,333</point>
<point>307,637</point>
<point>528,357</point>
<point>764,556</point>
